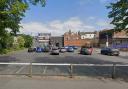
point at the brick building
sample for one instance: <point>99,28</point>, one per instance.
<point>71,38</point>
<point>120,40</point>
<point>115,39</point>
<point>105,35</point>
<point>80,38</point>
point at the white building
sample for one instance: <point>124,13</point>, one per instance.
<point>87,35</point>
<point>43,39</point>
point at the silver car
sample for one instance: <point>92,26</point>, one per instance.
<point>55,51</point>
<point>62,50</point>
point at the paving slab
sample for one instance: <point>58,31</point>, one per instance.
<point>60,83</point>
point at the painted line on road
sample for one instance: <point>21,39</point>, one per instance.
<point>20,69</point>
<point>45,69</point>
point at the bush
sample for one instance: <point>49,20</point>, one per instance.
<point>3,51</point>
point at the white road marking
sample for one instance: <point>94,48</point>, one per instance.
<point>20,69</point>
<point>45,68</point>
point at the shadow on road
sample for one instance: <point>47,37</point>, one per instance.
<point>73,60</point>
<point>7,59</point>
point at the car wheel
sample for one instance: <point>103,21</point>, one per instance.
<point>110,54</point>
<point>117,54</point>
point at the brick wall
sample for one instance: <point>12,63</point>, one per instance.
<point>71,38</point>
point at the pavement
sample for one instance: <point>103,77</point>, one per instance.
<point>60,83</point>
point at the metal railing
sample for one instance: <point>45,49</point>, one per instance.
<point>71,66</point>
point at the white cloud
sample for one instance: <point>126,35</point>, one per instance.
<point>104,24</point>
<point>107,1</point>
<point>56,27</point>
<point>91,18</point>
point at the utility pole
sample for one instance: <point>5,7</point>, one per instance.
<point>107,43</point>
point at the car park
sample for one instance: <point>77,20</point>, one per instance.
<point>86,50</point>
<point>70,49</point>
<point>55,51</point>
<point>62,50</point>
<point>110,51</point>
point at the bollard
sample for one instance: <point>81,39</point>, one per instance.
<point>30,70</point>
<point>71,71</point>
<point>114,71</point>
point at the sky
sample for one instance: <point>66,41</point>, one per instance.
<point>58,16</point>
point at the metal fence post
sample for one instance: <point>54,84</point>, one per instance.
<point>114,71</point>
<point>71,71</point>
<point>30,70</point>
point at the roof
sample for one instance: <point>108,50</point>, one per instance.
<point>83,33</point>
<point>44,33</point>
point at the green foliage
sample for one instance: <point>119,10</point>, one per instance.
<point>119,14</point>
<point>21,41</point>
<point>28,41</point>
<point>11,14</point>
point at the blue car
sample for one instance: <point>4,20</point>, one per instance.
<point>74,47</point>
<point>39,50</point>
<point>70,49</point>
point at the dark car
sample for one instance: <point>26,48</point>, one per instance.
<point>70,49</point>
<point>55,51</point>
<point>110,51</point>
<point>46,49</point>
<point>75,47</point>
<point>30,49</point>
<point>86,50</point>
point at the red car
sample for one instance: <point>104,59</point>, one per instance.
<point>86,50</point>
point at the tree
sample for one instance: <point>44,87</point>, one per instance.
<point>119,14</point>
<point>21,41</point>
<point>28,41</point>
<point>11,14</point>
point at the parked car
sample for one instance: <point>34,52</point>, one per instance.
<point>34,49</point>
<point>66,47</point>
<point>70,49</point>
<point>86,50</point>
<point>55,51</point>
<point>74,47</point>
<point>39,49</point>
<point>30,49</point>
<point>110,51</point>
<point>46,49</point>
<point>62,50</point>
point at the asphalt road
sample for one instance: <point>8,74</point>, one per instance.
<point>74,58</point>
